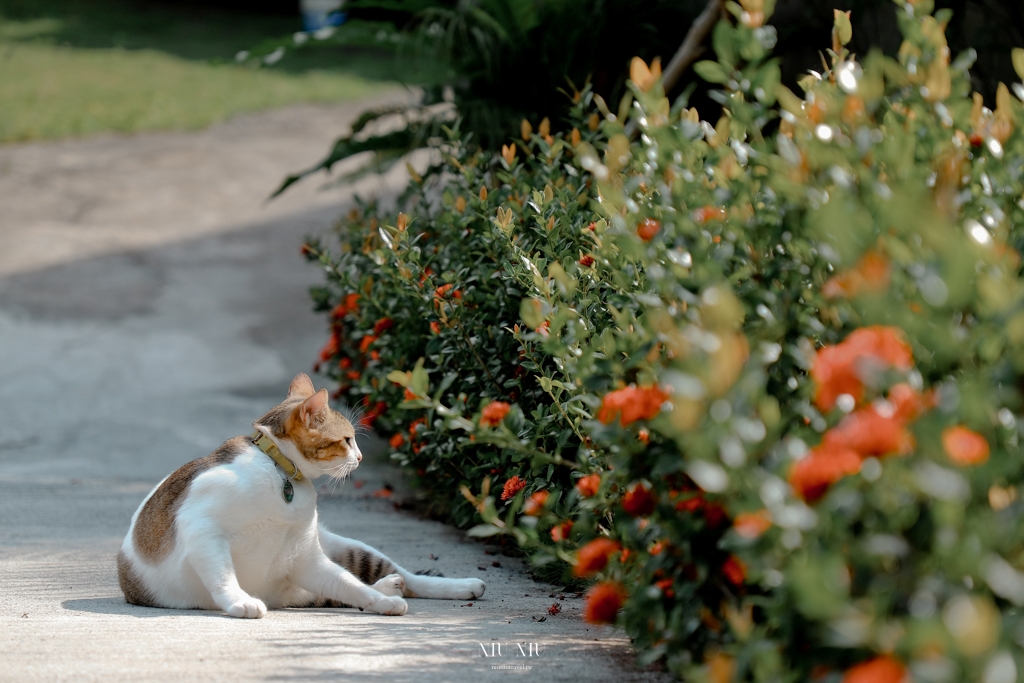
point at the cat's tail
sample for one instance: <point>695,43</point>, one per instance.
<point>370,566</point>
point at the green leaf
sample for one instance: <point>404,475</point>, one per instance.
<point>842,26</point>
<point>483,531</point>
<point>399,377</point>
<point>710,71</point>
<point>420,384</point>
<point>722,41</point>
<point>1018,61</point>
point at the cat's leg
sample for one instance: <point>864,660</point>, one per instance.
<point>211,560</point>
<point>371,566</point>
<point>325,579</point>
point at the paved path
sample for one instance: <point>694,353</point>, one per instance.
<point>151,305</point>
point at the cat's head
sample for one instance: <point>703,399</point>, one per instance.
<point>317,439</point>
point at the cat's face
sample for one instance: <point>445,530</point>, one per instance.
<point>322,437</point>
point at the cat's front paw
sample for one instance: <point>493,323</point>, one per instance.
<point>247,608</point>
<point>390,605</point>
<point>392,584</point>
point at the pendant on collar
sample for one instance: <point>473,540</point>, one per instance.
<point>289,491</point>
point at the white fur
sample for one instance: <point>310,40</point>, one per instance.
<point>239,547</point>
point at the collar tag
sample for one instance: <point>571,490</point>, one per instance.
<point>267,445</point>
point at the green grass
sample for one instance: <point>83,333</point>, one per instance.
<point>78,67</point>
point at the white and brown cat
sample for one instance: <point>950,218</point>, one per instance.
<point>233,531</point>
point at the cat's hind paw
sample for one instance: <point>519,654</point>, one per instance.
<point>392,584</point>
<point>247,608</point>
<point>390,605</point>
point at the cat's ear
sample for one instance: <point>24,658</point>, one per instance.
<point>301,386</point>
<point>313,409</point>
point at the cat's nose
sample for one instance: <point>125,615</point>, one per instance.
<point>359,456</point>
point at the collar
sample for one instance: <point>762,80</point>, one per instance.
<point>267,445</point>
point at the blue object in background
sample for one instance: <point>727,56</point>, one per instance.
<point>318,14</point>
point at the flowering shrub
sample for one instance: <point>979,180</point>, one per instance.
<point>764,373</point>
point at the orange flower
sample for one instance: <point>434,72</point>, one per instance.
<point>397,440</point>
<point>708,213</point>
<point>878,670</point>
<point>416,423</point>
<point>512,487</point>
<point>494,412</point>
<point>409,395</point>
<point>383,325</point>
<point>435,327</point>
<point>589,485</point>
<point>909,404</point>
<point>734,570</point>
<point>964,447</point>
<point>633,403</point>
<point>643,436</point>
<point>365,343</point>
<point>665,585</point>
<point>837,369</point>
<point>752,524</point>
<point>867,433</point>
<point>870,274</point>
<point>535,505</point>
<point>593,557</point>
<point>586,261</point>
<point>330,349</point>
<point>638,501</point>
<point>647,229</point>
<point>603,602</point>
<point>560,532</point>
<point>823,466</point>
<point>373,413</point>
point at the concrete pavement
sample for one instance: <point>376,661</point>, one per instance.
<point>151,305</point>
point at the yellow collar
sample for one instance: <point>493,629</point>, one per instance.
<point>266,444</point>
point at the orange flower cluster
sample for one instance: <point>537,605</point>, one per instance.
<point>350,304</point>
<point>878,670</point>
<point>632,403</point>
<point>871,274</point>
<point>512,487</point>
<point>383,325</point>
<point>638,501</point>
<point>446,292</point>
<point>964,447</point>
<point>603,602</point>
<point>734,570</point>
<point>493,413</point>
<point>594,556</point>
<point>647,229</point>
<point>560,532</point>
<point>752,524</point>
<point>397,440</point>
<point>535,505</point>
<point>706,214</point>
<point>589,485</point>
<point>586,260</point>
<point>869,431</point>
<point>371,415</point>
<point>839,369</point>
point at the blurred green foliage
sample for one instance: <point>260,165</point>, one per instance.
<point>759,374</point>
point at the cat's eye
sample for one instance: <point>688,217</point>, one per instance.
<point>349,441</point>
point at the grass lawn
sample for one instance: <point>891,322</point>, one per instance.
<point>76,67</point>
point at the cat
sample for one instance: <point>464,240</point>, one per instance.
<point>237,530</point>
